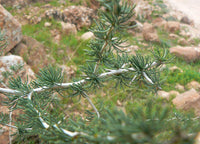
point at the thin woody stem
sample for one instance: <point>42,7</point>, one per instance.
<point>93,106</point>
<point>103,48</point>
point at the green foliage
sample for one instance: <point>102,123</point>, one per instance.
<point>49,76</point>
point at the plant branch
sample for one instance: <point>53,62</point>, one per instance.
<point>93,106</point>
<point>103,48</point>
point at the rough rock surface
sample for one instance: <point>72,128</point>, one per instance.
<point>190,54</point>
<point>33,52</point>
<point>159,22</point>
<point>11,27</point>
<point>22,70</point>
<point>78,15</point>
<point>172,26</point>
<point>69,28</point>
<point>188,100</point>
<point>193,84</point>
<point>87,36</point>
<point>149,33</point>
<point>143,9</point>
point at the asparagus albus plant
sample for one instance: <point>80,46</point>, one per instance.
<point>108,60</point>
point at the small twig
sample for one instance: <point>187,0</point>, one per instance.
<point>10,123</point>
<point>93,106</point>
<point>103,48</point>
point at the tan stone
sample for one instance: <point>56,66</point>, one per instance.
<point>188,100</point>
<point>159,22</point>
<point>175,68</point>
<point>12,60</point>
<point>87,36</point>
<point>35,55</point>
<point>182,42</point>
<point>172,26</point>
<point>78,15</point>
<point>179,87</point>
<point>190,54</point>
<point>47,24</point>
<point>174,93</point>
<point>11,27</point>
<point>193,84</point>
<point>164,94</point>
<point>173,36</point>
<point>69,28</point>
<point>149,33</point>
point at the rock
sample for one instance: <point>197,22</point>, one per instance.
<point>21,68</point>
<point>164,94</point>
<point>173,36</point>
<point>193,84</point>
<point>143,10</point>
<point>69,71</point>
<point>188,100</point>
<point>172,26</point>
<point>47,24</point>
<point>185,34</point>
<point>159,22</point>
<point>179,87</point>
<point>56,34</point>
<point>15,67</point>
<point>57,38</point>
<point>14,3</point>
<point>175,69</point>
<point>127,47</point>
<point>11,27</point>
<point>79,15</point>
<point>87,36</point>
<point>34,53</point>
<point>149,33</point>
<point>186,20</point>
<point>182,42</point>
<point>69,28</point>
<point>175,93</point>
<point>189,54</point>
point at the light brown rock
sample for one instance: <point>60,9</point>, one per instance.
<point>173,36</point>
<point>47,24</point>
<point>164,94</point>
<point>188,100</point>
<point>78,15</point>
<point>182,42</point>
<point>34,53</point>
<point>6,62</point>
<point>189,54</point>
<point>172,26</point>
<point>193,84</point>
<point>173,92</point>
<point>69,28</point>
<point>87,36</point>
<point>143,9</point>
<point>175,68</point>
<point>159,22</point>
<point>149,33</point>
<point>11,27</point>
<point>179,87</point>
